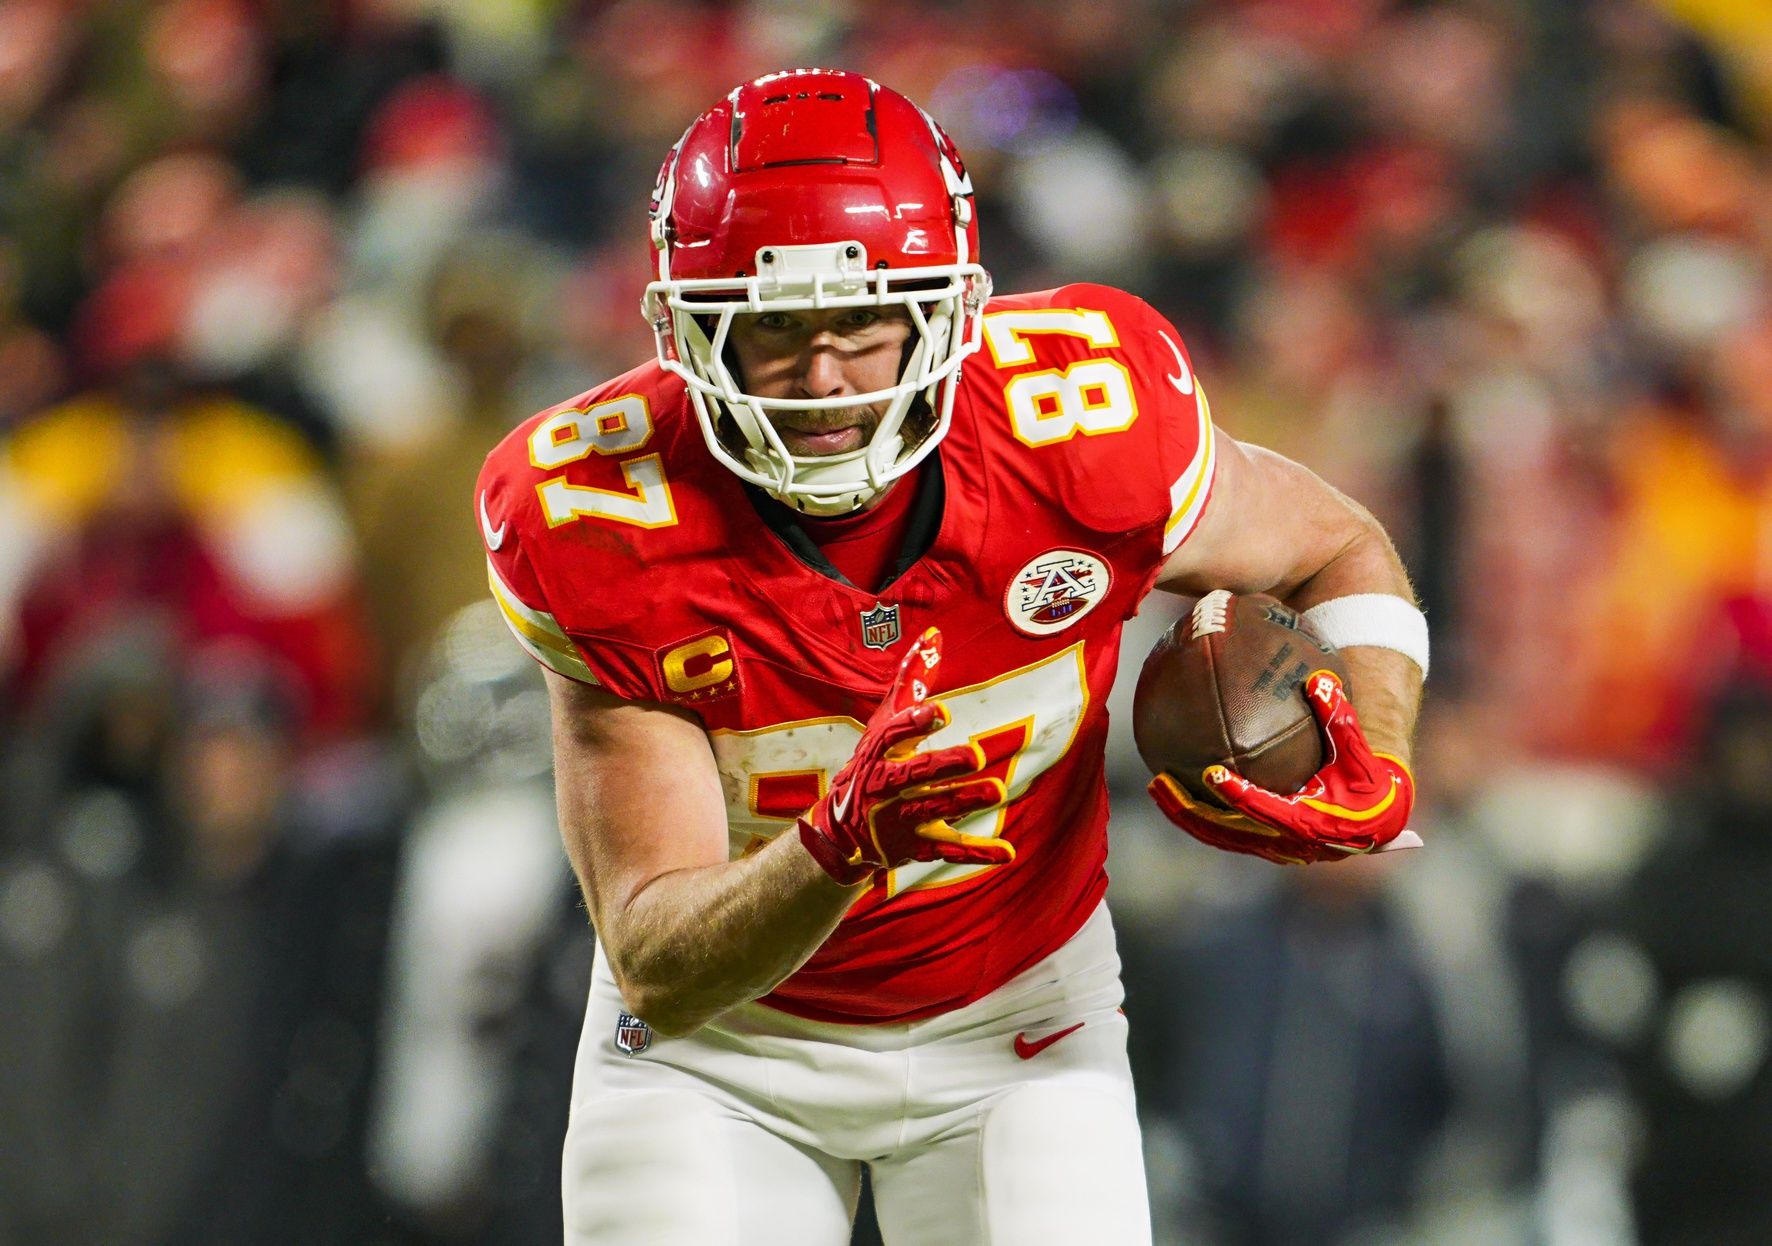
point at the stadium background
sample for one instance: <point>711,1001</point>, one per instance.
<point>288,949</point>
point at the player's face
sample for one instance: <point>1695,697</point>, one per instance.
<point>822,354</point>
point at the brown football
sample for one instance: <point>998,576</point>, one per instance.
<point>1224,686</point>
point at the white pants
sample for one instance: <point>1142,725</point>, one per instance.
<point>752,1130</point>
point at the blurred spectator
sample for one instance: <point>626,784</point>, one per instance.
<point>481,910</point>
<point>190,945</point>
<point>32,366</point>
<point>1300,1059</point>
<point>154,497</point>
<point>484,319</point>
<point>1680,981</point>
<point>331,66</point>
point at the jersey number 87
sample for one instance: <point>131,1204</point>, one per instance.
<point>1025,721</point>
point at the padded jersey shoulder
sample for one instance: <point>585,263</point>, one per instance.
<point>589,509</point>
<point>1085,396</point>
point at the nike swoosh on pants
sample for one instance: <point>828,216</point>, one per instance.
<point>1028,1050</point>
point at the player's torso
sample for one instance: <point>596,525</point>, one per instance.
<point>667,577</point>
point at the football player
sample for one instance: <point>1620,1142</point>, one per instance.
<point>829,597</point>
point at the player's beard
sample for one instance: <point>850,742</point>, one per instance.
<point>796,427</point>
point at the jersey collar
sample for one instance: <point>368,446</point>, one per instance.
<point>920,534</point>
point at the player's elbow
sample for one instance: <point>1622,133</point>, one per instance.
<point>667,980</point>
<point>658,995</point>
<point>671,1014</point>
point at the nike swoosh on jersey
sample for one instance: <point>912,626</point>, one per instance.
<point>1028,1050</point>
<point>495,537</point>
<point>1184,380</point>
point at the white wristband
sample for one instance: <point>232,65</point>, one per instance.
<point>1377,619</point>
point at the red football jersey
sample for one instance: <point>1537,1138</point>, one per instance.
<point>1080,454</point>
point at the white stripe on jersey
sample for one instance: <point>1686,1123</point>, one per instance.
<point>1187,496</point>
<point>537,632</point>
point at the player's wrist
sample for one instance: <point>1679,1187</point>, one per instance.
<point>1399,762</point>
<point>1379,620</point>
<point>1405,781</point>
<point>847,868</point>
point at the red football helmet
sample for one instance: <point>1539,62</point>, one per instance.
<point>816,188</point>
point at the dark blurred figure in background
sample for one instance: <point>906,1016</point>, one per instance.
<point>1296,1048</point>
<point>485,954</point>
<point>481,307</point>
<point>1680,980</point>
<point>190,952</point>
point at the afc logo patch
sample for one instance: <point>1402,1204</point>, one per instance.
<point>632,1035</point>
<point>700,669</point>
<point>1055,590</point>
<point>879,626</point>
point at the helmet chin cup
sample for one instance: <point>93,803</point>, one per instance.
<point>808,492</point>
<point>815,190</point>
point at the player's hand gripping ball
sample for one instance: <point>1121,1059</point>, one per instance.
<point>1245,719</point>
<point>890,803</point>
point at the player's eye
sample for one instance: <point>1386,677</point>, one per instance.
<point>775,322</point>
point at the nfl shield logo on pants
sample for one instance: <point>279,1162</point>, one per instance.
<point>632,1035</point>
<point>879,626</point>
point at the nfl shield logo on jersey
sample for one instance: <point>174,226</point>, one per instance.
<point>879,626</point>
<point>632,1035</point>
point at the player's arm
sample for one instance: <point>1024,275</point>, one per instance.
<point>688,933</point>
<point>1273,526</point>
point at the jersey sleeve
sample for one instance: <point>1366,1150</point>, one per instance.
<point>568,599</point>
<point>511,571</point>
<point>1178,441</point>
<point>1192,446</point>
<point>536,629</point>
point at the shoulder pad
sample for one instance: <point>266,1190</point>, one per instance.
<point>1092,390</point>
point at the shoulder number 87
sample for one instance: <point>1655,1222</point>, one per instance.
<point>619,426</point>
<point>1090,397</point>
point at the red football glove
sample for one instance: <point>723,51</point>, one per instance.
<point>889,804</point>
<point>1358,802</point>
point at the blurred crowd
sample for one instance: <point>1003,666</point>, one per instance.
<point>288,947</point>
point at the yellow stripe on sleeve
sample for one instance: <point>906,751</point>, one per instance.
<point>1189,492</point>
<point>541,637</point>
